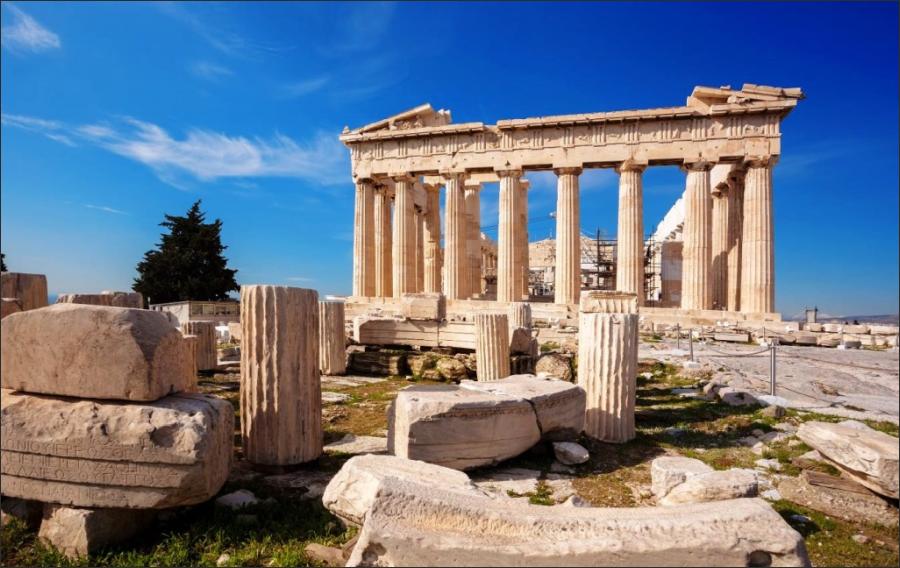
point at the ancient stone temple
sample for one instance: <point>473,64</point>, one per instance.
<point>725,140</point>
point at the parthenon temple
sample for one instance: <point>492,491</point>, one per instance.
<point>725,140</point>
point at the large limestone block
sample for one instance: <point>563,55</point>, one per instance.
<point>206,350</point>
<point>352,491</point>
<point>669,471</point>
<point>94,352</point>
<point>713,486</point>
<point>413,525</point>
<point>866,455</point>
<point>79,532</point>
<point>559,405</point>
<point>281,394</point>
<point>423,306</point>
<point>107,298</point>
<point>332,339</point>
<point>29,289</point>
<point>81,453</point>
<point>460,428</point>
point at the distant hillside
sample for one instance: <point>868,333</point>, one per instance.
<point>885,319</point>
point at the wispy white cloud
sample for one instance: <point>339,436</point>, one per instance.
<point>49,128</point>
<point>228,42</point>
<point>209,71</point>
<point>105,209</point>
<point>360,27</point>
<point>304,87</point>
<point>204,154</point>
<point>24,33</point>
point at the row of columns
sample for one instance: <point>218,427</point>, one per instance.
<point>727,254</point>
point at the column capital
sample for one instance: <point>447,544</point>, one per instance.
<point>365,181</point>
<point>524,184</point>
<point>631,165</point>
<point>697,165</point>
<point>456,175</point>
<point>760,161</point>
<point>568,170</point>
<point>402,177</point>
<point>512,172</point>
<point>472,185</point>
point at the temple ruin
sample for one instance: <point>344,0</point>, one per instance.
<point>726,140</point>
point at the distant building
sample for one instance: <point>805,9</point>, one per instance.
<point>219,312</point>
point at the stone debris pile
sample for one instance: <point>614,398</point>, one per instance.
<point>96,423</point>
<point>415,514</point>
<point>477,424</point>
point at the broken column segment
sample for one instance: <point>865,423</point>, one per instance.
<point>492,346</point>
<point>332,339</point>
<point>29,289</point>
<point>281,399</point>
<point>205,331</point>
<point>607,363</point>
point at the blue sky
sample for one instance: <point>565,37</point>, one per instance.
<point>114,113</point>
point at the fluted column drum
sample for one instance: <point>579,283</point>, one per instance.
<point>433,253</point>
<point>630,245</point>
<point>455,251</point>
<point>696,290</point>
<point>281,398</point>
<point>519,315</point>
<point>383,240</point>
<point>607,371</point>
<point>332,339</point>
<point>364,240</point>
<point>492,346</point>
<point>758,258</point>
<point>508,259</point>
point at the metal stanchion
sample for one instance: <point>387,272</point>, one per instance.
<point>691,339</point>
<point>772,369</point>
<point>678,336</point>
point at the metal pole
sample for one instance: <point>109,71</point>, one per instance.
<point>678,336</point>
<point>691,339</point>
<point>772,369</point>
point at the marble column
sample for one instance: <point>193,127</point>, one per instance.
<point>508,259</point>
<point>473,238</point>
<point>522,238</point>
<point>433,253</point>
<point>455,251</point>
<point>420,249</point>
<point>404,237</point>
<point>492,346</point>
<point>205,332</point>
<point>696,290</point>
<point>281,398</point>
<point>364,240</point>
<point>718,181</point>
<point>630,245</point>
<point>567,285</point>
<point>607,367</point>
<point>332,339</point>
<point>757,260</point>
<point>383,265</point>
<point>735,223</point>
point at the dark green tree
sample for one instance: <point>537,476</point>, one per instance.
<point>188,263</point>
<point>2,262</point>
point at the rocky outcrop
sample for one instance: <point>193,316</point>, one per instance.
<point>556,365</point>
<point>281,398</point>
<point>383,363</point>
<point>866,455</point>
<point>411,524</point>
<point>94,352</point>
<point>87,453</point>
<point>352,491</point>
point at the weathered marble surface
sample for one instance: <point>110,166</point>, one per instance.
<point>86,453</point>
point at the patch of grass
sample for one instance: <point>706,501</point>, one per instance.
<point>549,346</point>
<point>829,542</point>
<point>542,494</point>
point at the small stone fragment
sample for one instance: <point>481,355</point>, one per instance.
<point>714,486</point>
<point>669,471</point>
<point>570,453</point>
<point>237,499</point>
<point>79,532</point>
